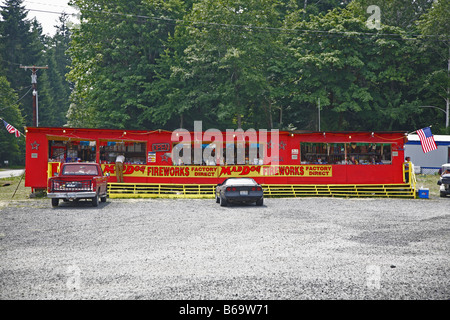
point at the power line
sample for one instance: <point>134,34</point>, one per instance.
<point>253,27</point>
<point>24,94</point>
<point>48,5</point>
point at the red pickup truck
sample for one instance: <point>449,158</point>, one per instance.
<point>78,181</point>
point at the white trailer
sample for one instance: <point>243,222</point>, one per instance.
<point>430,162</point>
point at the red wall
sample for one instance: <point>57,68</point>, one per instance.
<point>37,156</point>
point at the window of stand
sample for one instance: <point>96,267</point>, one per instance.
<point>134,152</point>
<point>345,153</point>
<point>72,151</point>
<point>257,152</point>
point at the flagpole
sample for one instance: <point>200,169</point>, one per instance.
<point>16,129</point>
<point>417,129</point>
<point>18,184</point>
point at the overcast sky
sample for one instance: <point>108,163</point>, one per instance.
<point>46,19</point>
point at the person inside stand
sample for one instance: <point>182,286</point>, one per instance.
<point>120,159</point>
<point>407,166</point>
<point>353,160</point>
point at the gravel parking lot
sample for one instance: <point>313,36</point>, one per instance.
<point>309,248</point>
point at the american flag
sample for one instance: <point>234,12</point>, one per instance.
<point>11,129</point>
<point>426,139</point>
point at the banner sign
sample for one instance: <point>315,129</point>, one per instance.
<point>132,170</point>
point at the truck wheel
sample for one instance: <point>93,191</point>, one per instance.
<point>103,199</point>
<point>217,199</point>
<point>443,194</point>
<point>55,202</point>
<point>95,201</point>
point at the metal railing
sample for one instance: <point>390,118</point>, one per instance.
<point>145,190</point>
<point>409,176</point>
<point>151,190</point>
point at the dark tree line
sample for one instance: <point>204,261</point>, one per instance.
<point>266,63</point>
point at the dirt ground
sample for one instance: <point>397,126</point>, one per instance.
<point>288,249</point>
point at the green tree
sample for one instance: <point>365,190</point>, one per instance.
<point>113,54</point>
<point>358,74</point>
<point>21,45</point>
<point>235,63</point>
<point>435,29</point>
<point>316,7</point>
<point>221,64</point>
<point>12,149</point>
<point>395,13</point>
<point>55,91</point>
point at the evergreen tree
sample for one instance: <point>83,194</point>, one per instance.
<point>359,74</point>
<point>395,13</point>
<point>234,63</point>
<point>56,89</point>
<point>224,65</point>
<point>435,86</point>
<point>24,44</point>
<point>21,43</point>
<point>314,7</point>
<point>12,149</point>
<point>113,54</point>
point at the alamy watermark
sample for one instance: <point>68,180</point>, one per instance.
<point>374,21</point>
<point>74,278</point>
<point>373,280</point>
<point>239,146</point>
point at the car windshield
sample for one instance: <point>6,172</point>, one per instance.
<point>240,181</point>
<point>80,169</point>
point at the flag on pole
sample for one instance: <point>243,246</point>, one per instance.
<point>11,129</point>
<point>426,139</point>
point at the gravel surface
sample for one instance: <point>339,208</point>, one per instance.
<point>289,249</point>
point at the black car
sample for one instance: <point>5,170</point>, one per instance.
<point>239,190</point>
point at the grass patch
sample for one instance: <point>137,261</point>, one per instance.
<point>11,168</point>
<point>428,181</point>
<point>9,185</point>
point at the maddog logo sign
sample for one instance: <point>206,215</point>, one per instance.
<point>221,171</point>
<point>239,171</point>
<point>299,171</point>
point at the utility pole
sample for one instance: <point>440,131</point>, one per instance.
<point>447,99</point>
<point>318,107</point>
<point>35,93</point>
